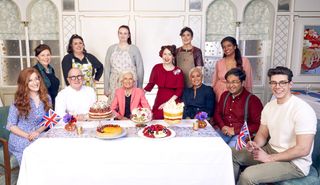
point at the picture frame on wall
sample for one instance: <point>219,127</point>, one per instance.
<point>306,50</point>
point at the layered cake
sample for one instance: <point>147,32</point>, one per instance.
<point>141,115</point>
<point>173,112</point>
<point>109,130</point>
<point>156,131</point>
<point>100,110</point>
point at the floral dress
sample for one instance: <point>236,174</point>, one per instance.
<point>16,143</point>
<point>86,70</point>
<point>120,61</point>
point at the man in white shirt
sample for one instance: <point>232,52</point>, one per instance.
<point>75,99</point>
<point>283,145</point>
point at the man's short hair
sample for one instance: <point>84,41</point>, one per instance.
<point>236,72</point>
<point>280,70</point>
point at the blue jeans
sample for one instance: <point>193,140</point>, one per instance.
<point>230,140</point>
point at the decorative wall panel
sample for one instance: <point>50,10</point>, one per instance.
<point>281,42</point>
<point>195,25</point>
<point>69,28</point>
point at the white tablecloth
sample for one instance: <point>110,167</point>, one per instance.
<point>129,160</point>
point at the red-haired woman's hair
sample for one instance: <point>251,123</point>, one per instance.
<point>22,95</point>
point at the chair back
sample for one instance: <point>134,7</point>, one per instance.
<point>4,133</point>
<point>316,149</point>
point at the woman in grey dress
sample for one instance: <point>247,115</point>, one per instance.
<point>120,57</point>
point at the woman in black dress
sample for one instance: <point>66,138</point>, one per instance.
<point>43,56</point>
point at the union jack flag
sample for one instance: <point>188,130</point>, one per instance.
<point>50,119</point>
<point>243,137</point>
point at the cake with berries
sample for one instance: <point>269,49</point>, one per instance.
<point>156,131</point>
<point>100,110</point>
<point>141,115</point>
<point>173,112</point>
<point>109,130</point>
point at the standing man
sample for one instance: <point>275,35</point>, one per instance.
<point>283,145</point>
<point>230,112</point>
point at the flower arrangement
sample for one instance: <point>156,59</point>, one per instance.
<point>68,118</point>
<point>202,117</point>
<point>71,120</point>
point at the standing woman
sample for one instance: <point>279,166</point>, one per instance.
<point>231,59</point>
<point>78,57</point>
<point>120,57</point>
<point>43,56</point>
<point>169,80</point>
<point>188,56</point>
<point>31,102</point>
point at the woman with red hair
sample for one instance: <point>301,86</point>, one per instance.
<point>31,102</point>
<point>168,78</point>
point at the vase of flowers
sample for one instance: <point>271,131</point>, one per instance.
<point>201,119</point>
<point>71,122</point>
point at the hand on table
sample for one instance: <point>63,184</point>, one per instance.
<point>33,135</point>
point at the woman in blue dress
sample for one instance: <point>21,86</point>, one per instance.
<point>199,97</point>
<point>31,102</point>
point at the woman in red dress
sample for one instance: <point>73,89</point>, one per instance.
<point>169,80</point>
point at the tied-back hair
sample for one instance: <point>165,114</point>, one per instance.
<point>69,47</point>
<point>41,48</point>
<point>237,55</point>
<point>126,27</point>
<point>22,95</point>
<point>280,70</point>
<point>171,48</point>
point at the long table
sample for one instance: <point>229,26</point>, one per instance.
<point>190,158</point>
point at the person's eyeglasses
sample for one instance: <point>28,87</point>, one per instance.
<point>234,82</point>
<point>79,77</point>
<point>281,83</point>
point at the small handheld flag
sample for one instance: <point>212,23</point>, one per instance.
<point>50,119</point>
<point>243,137</point>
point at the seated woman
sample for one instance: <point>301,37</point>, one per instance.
<point>128,96</point>
<point>31,102</point>
<point>199,97</point>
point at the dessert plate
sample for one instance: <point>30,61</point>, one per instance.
<point>173,134</point>
<point>123,133</point>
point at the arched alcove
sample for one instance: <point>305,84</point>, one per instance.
<point>256,35</point>
<point>44,22</point>
<point>220,20</point>
<point>44,29</point>
<point>11,34</point>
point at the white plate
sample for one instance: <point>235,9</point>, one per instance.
<point>173,134</point>
<point>146,121</point>
<point>123,133</point>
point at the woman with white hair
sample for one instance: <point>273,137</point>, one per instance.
<point>199,97</point>
<point>128,96</point>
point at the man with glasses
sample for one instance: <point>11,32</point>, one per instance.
<point>76,98</point>
<point>229,116</point>
<point>282,148</point>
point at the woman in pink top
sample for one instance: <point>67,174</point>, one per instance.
<point>128,96</point>
<point>231,59</point>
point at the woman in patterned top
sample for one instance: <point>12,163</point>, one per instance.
<point>121,57</point>
<point>78,57</point>
<point>31,102</point>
